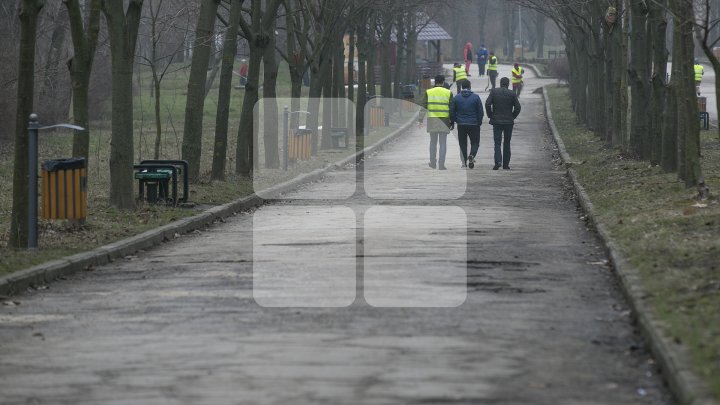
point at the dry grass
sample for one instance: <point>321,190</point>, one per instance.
<point>674,244</point>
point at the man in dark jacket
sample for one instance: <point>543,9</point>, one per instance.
<point>466,110</point>
<point>502,108</point>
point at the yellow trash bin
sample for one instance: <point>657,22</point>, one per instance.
<point>64,189</point>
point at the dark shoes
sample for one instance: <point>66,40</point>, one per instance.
<point>471,162</point>
<point>496,167</point>
<point>432,165</point>
<point>442,168</point>
<point>506,167</point>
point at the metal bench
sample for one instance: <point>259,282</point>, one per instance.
<point>156,179</point>
<point>183,169</point>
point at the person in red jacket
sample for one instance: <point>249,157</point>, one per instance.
<point>468,54</point>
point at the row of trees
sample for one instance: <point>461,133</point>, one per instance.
<point>307,34</point>
<point>616,45</point>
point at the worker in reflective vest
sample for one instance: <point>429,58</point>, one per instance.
<point>699,72</point>
<point>517,78</point>
<point>493,68</point>
<point>459,75</point>
<point>436,103</point>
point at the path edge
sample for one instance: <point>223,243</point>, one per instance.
<point>45,273</point>
<point>674,359</point>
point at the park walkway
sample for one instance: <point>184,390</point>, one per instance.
<point>540,319</point>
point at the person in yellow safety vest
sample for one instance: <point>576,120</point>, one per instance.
<point>492,68</point>
<point>459,75</point>
<point>699,72</point>
<point>436,102</point>
<point>517,78</point>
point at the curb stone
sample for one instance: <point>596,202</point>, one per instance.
<point>536,71</point>
<point>673,358</point>
<point>46,273</point>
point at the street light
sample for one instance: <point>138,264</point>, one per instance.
<point>33,129</point>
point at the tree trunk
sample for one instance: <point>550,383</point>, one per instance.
<point>123,32</point>
<point>195,105</point>
<point>540,35</point>
<point>688,125</point>
<point>270,108</point>
<point>400,53</point>
<point>158,120</point>
<point>658,27</point>
<point>28,13</point>
<point>351,79</point>
<point>371,62</point>
<point>362,81</point>
<point>226,79</point>
<point>386,72</point>
<point>327,74</point>
<point>246,145</point>
<point>80,66</point>
<point>481,18</point>
<point>639,77</point>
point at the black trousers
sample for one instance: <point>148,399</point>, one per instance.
<point>493,76</point>
<point>502,134</point>
<point>466,132</point>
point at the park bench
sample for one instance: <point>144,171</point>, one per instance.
<point>158,180</point>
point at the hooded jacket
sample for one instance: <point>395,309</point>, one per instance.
<point>466,108</point>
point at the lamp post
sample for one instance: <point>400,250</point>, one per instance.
<point>33,129</point>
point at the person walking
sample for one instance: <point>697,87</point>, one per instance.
<point>466,111</point>
<point>699,73</point>
<point>436,102</point>
<point>468,54</point>
<point>517,79</point>
<point>493,68</point>
<point>502,107</point>
<point>459,75</point>
<point>482,58</point>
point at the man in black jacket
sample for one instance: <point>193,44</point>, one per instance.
<point>502,107</point>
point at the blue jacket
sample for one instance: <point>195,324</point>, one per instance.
<point>482,55</point>
<point>466,109</point>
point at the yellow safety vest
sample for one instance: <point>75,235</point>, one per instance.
<point>460,73</point>
<point>699,70</point>
<point>438,102</point>
<point>519,71</point>
<point>493,63</point>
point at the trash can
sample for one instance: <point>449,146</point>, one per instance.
<point>64,189</point>
<point>300,144</point>
<point>339,138</point>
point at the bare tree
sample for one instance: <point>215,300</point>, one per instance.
<point>84,28</point>
<point>257,32</point>
<point>123,25</point>
<point>28,13</point>
<point>192,138</point>
<point>161,23</point>
<point>226,74</point>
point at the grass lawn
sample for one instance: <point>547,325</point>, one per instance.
<point>106,224</point>
<point>674,244</point>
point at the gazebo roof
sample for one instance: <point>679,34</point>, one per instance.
<point>433,32</point>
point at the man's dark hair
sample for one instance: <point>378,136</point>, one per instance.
<point>505,82</point>
<point>439,79</point>
<point>466,85</point>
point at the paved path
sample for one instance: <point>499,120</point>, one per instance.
<point>539,321</point>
